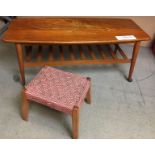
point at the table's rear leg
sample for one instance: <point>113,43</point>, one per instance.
<point>115,49</point>
<point>133,60</point>
<point>19,51</point>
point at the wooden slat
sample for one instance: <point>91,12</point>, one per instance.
<point>50,53</point>
<point>72,59</point>
<point>71,53</point>
<point>91,52</point>
<point>121,51</point>
<point>77,62</point>
<point>28,53</point>
<point>39,54</point>
<point>61,52</point>
<point>82,56</point>
<point>112,52</point>
<point>99,48</point>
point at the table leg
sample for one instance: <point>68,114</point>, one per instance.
<point>19,51</point>
<point>133,60</point>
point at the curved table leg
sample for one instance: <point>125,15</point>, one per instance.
<point>19,51</point>
<point>133,60</point>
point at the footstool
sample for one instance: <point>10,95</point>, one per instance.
<point>58,90</point>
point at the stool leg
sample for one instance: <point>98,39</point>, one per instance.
<point>75,122</point>
<point>88,96</point>
<point>25,106</point>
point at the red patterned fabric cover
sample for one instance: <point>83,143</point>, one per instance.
<point>57,89</point>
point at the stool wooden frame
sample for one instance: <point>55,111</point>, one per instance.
<point>74,115</point>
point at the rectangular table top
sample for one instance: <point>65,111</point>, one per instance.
<point>72,30</point>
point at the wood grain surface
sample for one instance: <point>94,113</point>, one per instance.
<point>72,30</point>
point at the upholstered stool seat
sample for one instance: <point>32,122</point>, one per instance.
<point>58,90</point>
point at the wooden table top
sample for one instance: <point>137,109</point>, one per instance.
<point>72,30</point>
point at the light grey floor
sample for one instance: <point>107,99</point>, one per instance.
<point>119,110</point>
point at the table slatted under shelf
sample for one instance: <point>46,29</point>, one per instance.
<point>60,55</point>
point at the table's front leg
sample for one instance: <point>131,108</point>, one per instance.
<point>133,60</point>
<point>19,50</point>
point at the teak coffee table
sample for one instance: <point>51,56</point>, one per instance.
<point>79,36</point>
